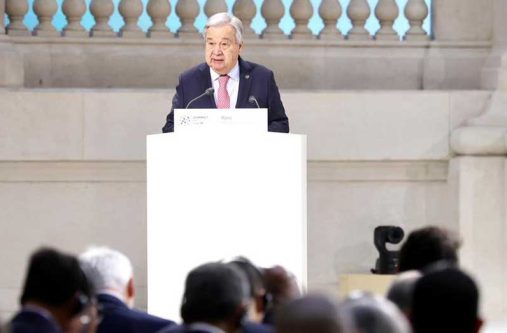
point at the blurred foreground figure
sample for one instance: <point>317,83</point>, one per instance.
<point>258,301</point>
<point>215,300</point>
<point>309,314</point>
<point>56,297</point>
<point>365,313</point>
<point>445,300</point>
<point>282,288</point>
<point>427,246</point>
<point>401,291</point>
<point>112,275</point>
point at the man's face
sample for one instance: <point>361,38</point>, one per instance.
<point>222,50</point>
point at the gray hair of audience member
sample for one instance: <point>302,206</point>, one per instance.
<point>362,312</point>
<point>221,19</point>
<point>309,314</point>
<point>402,289</point>
<point>108,269</point>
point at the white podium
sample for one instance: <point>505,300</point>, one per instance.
<point>215,196</point>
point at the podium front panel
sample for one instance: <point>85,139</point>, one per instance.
<point>215,196</point>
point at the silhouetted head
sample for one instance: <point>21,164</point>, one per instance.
<point>445,300</point>
<point>309,314</point>
<point>215,293</point>
<point>54,281</point>
<point>259,299</point>
<point>426,246</point>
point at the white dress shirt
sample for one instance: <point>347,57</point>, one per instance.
<point>232,85</point>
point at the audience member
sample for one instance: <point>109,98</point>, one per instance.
<point>426,246</point>
<point>112,275</point>
<point>402,289</point>
<point>56,296</point>
<point>259,299</point>
<point>282,287</point>
<point>365,313</point>
<point>309,314</point>
<point>445,300</point>
<point>214,301</point>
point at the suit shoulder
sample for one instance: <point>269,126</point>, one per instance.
<point>192,72</point>
<point>253,67</point>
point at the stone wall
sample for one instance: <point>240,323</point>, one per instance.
<point>72,172</point>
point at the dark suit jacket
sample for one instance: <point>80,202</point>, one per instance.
<point>248,327</point>
<point>118,318</point>
<point>27,321</point>
<point>254,80</point>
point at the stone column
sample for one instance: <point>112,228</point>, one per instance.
<point>301,11</point>
<point>11,62</point>
<point>187,11</point>
<point>330,12</point>
<point>245,10</point>
<point>159,11</point>
<point>358,12</point>
<point>472,24</point>
<point>478,185</point>
<point>2,14</point>
<point>272,11</point>
<point>478,179</point>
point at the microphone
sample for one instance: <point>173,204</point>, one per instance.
<point>207,92</point>
<point>252,99</point>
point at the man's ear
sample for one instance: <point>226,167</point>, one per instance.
<point>260,304</point>
<point>131,290</point>
<point>478,324</point>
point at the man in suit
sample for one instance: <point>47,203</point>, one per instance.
<point>56,297</point>
<point>237,83</point>
<point>112,274</point>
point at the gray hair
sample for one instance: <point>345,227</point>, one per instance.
<point>221,19</point>
<point>366,313</point>
<point>109,270</point>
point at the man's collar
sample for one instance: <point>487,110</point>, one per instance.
<point>200,326</point>
<point>233,74</point>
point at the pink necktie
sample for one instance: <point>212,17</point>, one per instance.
<point>223,101</point>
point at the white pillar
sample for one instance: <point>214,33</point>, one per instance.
<point>386,12</point>
<point>358,12</point>
<point>159,11</point>
<point>74,11</point>
<point>102,11</point>
<point>131,10</point>
<point>2,13</point>
<point>245,10</point>
<point>416,12</point>
<point>187,11</point>
<point>330,12</point>
<point>11,62</point>
<point>301,11</point>
<point>478,188</point>
<point>272,11</point>
<point>16,11</point>
<point>45,10</point>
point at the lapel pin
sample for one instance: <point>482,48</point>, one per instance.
<point>247,76</point>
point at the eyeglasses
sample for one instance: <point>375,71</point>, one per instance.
<point>222,46</point>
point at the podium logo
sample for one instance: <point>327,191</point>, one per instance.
<point>185,121</point>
